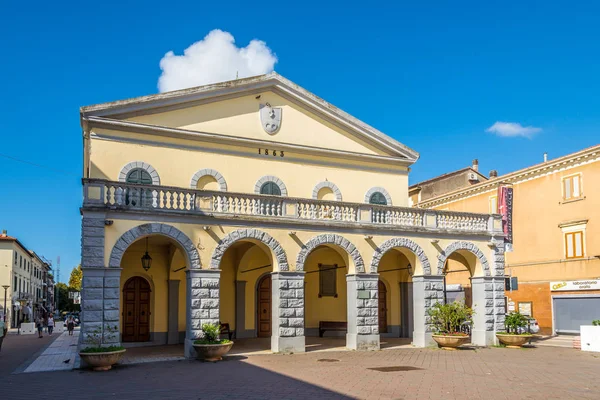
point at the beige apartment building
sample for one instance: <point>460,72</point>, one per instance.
<point>23,281</point>
<point>555,256</point>
<point>257,204</point>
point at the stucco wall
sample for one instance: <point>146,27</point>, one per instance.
<point>240,117</point>
<point>538,211</point>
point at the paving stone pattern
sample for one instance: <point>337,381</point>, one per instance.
<point>495,373</point>
<point>61,355</point>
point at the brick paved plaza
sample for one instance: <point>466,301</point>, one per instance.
<point>493,373</point>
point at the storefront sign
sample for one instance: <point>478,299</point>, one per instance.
<point>590,284</point>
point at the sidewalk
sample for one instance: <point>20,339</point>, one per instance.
<point>61,355</point>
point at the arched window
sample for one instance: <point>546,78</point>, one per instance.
<point>270,188</point>
<point>378,198</point>
<point>139,196</point>
<point>139,176</point>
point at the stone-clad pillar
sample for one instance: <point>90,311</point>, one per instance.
<point>363,308</point>
<point>111,306</point>
<point>92,304</point>
<point>287,318</point>
<point>427,290</point>
<point>488,307</point>
<point>202,304</point>
<point>100,303</point>
<point>93,283</point>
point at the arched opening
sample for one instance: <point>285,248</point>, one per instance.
<point>378,198</point>
<point>136,310</point>
<point>208,182</point>
<point>325,291</point>
<point>264,306</point>
<point>326,193</point>
<point>395,270</point>
<point>457,278</point>
<point>139,176</point>
<point>245,304</point>
<point>464,273</point>
<point>270,188</point>
<point>153,301</point>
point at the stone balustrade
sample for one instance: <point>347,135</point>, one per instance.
<point>153,198</point>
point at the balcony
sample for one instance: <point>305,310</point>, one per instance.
<point>119,196</point>
<point>22,296</point>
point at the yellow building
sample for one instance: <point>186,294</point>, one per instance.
<point>22,281</point>
<point>264,207</point>
<point>555,255</point>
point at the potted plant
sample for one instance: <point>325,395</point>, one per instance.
<point>447,321</point>
<point>516,335</point>
<point>211,347</point>
<point>98,356</point>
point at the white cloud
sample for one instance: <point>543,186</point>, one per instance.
<point>215,58</point>
<point>512,129</point>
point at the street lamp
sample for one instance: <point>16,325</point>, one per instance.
<point>146,259</point>
<point>5,289</point>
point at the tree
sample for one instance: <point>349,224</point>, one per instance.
<point>75,279</point>
<point>64,303</point>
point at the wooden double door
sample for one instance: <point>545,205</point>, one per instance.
<point>383,328</point>
<point>264,307</point>
<point>136,310</point>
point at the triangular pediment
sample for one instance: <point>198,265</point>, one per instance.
<point>291,115</point>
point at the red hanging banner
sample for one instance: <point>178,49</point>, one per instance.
<point>505,208</point>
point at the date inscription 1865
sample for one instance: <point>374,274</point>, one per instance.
<point>273,153</point>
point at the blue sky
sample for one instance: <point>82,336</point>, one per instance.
<point>434,75</point>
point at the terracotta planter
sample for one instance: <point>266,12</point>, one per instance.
<point>212,352</point>
<point>513,341</point>
<point>450,342</point>
<point>102,361</point>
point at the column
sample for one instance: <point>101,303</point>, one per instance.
<point>173,318</point>
<point>287,317</point>
<point>488,307</point>
<point>240,311</point>
<point>363,307</point>
<point>202,304</point>
<point>100,302</point>
<point>112,304</point>
<point>427,290</point>
<point>92,285</point>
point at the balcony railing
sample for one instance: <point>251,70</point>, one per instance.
<point>134,197</point>
<point>22,296</point>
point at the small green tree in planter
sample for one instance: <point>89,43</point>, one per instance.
<point>515,335</point>
<point>447,321</point>
<point>98,356</point>
<point>211,347</point>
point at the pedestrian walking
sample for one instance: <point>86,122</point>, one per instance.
<point>39,323</point>
<point>50,324</point>
<point>70,325</point>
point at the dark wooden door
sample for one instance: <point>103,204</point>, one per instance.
<point>136,310</point>
<point>382,308</point>
<point>264,307</point>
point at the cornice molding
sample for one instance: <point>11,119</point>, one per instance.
<point>136,127</point>
<point>223,90</point>
<point>570,161</point>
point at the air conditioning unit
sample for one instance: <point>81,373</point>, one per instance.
<point>473,176</point>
